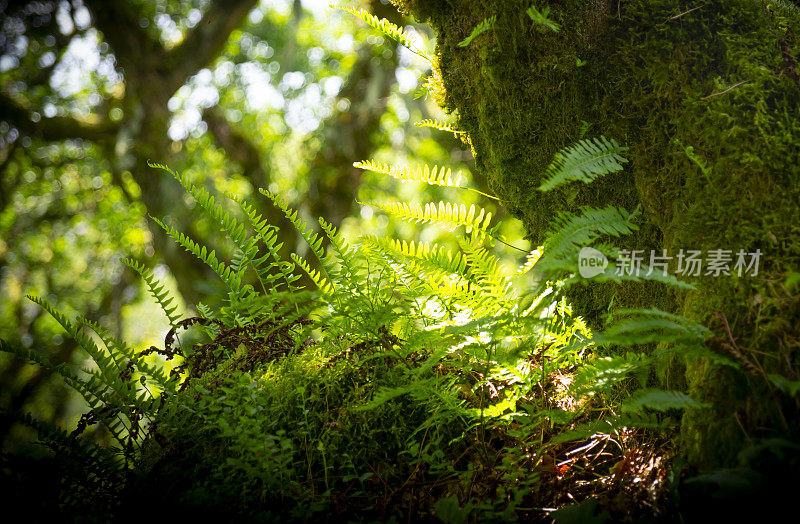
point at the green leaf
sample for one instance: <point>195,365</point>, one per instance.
<point>479,29</point>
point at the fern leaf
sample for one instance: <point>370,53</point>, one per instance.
<point>325,286</point>
<point>441,126</point>
<point>479,29</point>
<point>444,214</point>
<point>571,231</point>
<point>644,326</point>
<point>268,235</point>
<point>386,27</point>
<point>540,18</point>
<point>225,273</point>
<point>157,291</point>
<point>584,161</point>
<point>435,176</point>
<point>314,240</point>
<point>660,400</point>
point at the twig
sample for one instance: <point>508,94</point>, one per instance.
<point>675,17</point>
<point>712,95</point>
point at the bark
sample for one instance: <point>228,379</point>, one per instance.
<point>721,78</point>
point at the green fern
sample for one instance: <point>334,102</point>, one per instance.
<point>571,231</point>
<point>386,27</point>
<point>479,30</point>
<point>541,19</point>
<point>435,176</point>
<point>227,274</point>
<point>584,161</point>
<point>660,400</point>
<point>441,126</point>
<point>444,214</point>
<point>157,290</point>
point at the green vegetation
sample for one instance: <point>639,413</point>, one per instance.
<point>384,364</point>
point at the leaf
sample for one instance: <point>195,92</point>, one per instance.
<point>479,29</point>
<point>585,161</point>
<point>540,18</point>
<point>661,400</point>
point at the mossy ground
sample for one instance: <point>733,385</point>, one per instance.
<point>722,79</point>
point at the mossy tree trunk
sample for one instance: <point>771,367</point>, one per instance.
<point>720,76</point>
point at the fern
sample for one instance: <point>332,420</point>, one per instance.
<point>444,214</point>
<point>435,176</point>
<point>227,274</point>
<point>441,126</point>
<point>386,27</point>
<point>571,231</point>
<point>541,19</point>
<point>479,30</point>
<point>660,400</point>
<point>157,291</point>
<point>584,161</point>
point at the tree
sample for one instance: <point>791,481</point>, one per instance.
<point>707,100</point>
<point>114,128</point>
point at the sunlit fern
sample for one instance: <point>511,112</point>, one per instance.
<point>387,28</point>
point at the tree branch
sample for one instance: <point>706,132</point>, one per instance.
<point>206,40</point>
<point>55,128</point>
<point>119,22</point>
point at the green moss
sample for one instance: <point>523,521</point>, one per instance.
<point>651,77</point>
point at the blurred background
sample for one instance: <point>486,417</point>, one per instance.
<point>234,94</point>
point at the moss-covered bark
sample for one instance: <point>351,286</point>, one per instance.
<point>721,78</point>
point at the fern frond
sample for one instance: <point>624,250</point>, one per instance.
<point>230,226</point>
<point>540,18</point>
<point>325,286</point>
<point>386,27</point>
<point>268,235</point>
<point>109,370</point>
<point>644,326</point>
<point>436,256</point>
<point>572,231</point>
<point>157,290</point>
<point>313,239</point>
<point>660,400</point>
<point>699,162</point>
<point>584,161</point>
<point>446,215</point>
<point>435,176</point>
<point>484,268</point>
<point>226,273</point>
<point>479,29</point>
<point>441,126</point>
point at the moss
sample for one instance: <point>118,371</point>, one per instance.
<point>650,78</point>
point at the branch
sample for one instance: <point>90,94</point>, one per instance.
<point>119,22</point>
<point>237,145</point>
<point>207,39</point>
<point>56,128</point>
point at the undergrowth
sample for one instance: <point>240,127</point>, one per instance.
<point>411,382</point>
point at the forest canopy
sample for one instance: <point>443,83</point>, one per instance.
<point>443,261</point>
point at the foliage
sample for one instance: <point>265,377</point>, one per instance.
<point>541,18</point>
<point>412,379</point>
<point>386,27</point>
<point>479,30</point>
<point>405,357</point>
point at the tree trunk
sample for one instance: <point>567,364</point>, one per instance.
<point>720,77</point>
